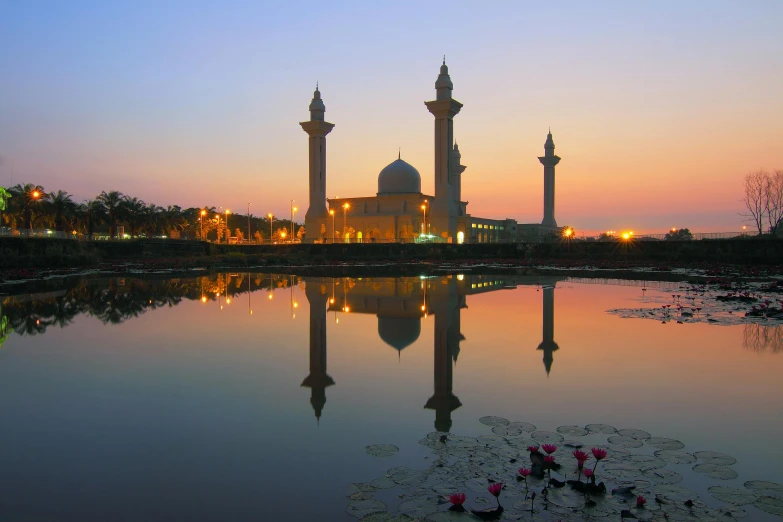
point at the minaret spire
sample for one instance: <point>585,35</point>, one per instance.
<point>549,161</point>
<point>317,129</point>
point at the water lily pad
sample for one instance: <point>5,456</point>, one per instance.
<point>566,497</point>
<point>381,450</point>
<point>622,470</point>
<point>713,457</point>
<point>572,431</point>
<point>547,437</point>
<point>383,483</point>
<point>419,506</point>
<point>491,440</point>
<point>477,486</point>
<point>506,431</point>
<point>662,476</point>
<point>601,428</point>
<point>401,474</point>
<point>575,444</point>
<point>646,462</point>
<point>625,442</point>
<point>734,496</point>
<point>662,443</point>
<point>491,420</point>
<point>765,488</point>
<point>634,434</point>
<point>715,471</point>
<point>771,505</point>
<point>675,457</point>
<point>451,516</point>
<point>524,426</point>
<point>361,508</point>
<point>674,493</point>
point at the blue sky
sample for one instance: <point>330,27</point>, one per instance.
<point>658,108</point>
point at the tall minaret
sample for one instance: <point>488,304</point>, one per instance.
<point>318,380</point>
<point>548,344</point>
<point>317,129</point>
<point>549,160</point>
<point>444,209</point>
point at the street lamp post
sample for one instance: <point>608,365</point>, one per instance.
<point>331,213</point>
<point>270,216</point>
<point>248,222</point>
<point>346,206</point>
<point>228,231</point>
<point>293,211</point>
<point>203,213</point>
<point>424,224</point>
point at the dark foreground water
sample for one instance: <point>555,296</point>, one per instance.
<point>129,399</point>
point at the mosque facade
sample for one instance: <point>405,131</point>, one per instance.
<point>400,211</point>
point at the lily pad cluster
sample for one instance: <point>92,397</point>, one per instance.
<point>718,303</point>
<point>637,476</point>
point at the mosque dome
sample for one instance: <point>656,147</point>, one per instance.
<point>399,177</point>
<point>399,332</point>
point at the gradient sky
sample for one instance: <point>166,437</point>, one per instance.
<point>657,108</point>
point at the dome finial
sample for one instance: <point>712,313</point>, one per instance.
<point>398,152</point>
<point>444,59</point>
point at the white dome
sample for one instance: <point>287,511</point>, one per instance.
<point>399,177</point>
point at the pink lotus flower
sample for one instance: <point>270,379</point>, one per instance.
<point>588,473</point>
<point>640,501</point>
<point>457,499</point>
<point>495,488</point>
<point>599,453</point>
<point>581,456</point>
<point>524,472</point>
<point>549,448</point>
<point>549,459</point>
<point>532,449</point>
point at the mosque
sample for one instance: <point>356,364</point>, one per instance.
<point>400,211</point>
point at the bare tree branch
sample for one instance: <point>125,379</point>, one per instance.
<point>774,196</point>
<point>755,196</point>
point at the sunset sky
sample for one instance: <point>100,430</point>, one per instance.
<point>658,109</point>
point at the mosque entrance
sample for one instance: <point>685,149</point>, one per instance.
<point>460,237</point>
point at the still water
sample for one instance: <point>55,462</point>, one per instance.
<point>246,396</point>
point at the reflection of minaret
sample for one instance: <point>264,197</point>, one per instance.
<point>548,345</point>
<point>447,337</point>
<point>318,380</point>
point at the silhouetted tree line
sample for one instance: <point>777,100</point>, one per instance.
<point>30,206</point>
<point>117,300</point>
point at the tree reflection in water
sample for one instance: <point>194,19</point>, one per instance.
<point>760,338</point>
<point>115,300</point>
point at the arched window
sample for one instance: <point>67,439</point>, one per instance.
<point>460,237</point>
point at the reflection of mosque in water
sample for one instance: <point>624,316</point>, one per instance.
<point>400,304</point>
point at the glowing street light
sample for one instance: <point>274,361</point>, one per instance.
<point>346,206</point>
<point>36,194</point>
<point>270,216</point>
<point>228,231</point>
<point>424,224</point>
<point>331,213</point>
<point>293,211</point>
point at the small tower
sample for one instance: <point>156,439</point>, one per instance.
<point>444,108</point>
<point>316,129</point>
<point>456,177</point>
<point>549,160</point>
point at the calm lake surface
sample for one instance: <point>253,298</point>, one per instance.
<point>138,399</point>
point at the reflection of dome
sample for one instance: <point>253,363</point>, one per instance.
<point>399,177</point>
<point>399,332</point>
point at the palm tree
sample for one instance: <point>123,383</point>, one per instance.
<point>63,207</point>
<point>112,207</point>
<point>28,200</point>
<point>134,211</point>
<point>91,212</point>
